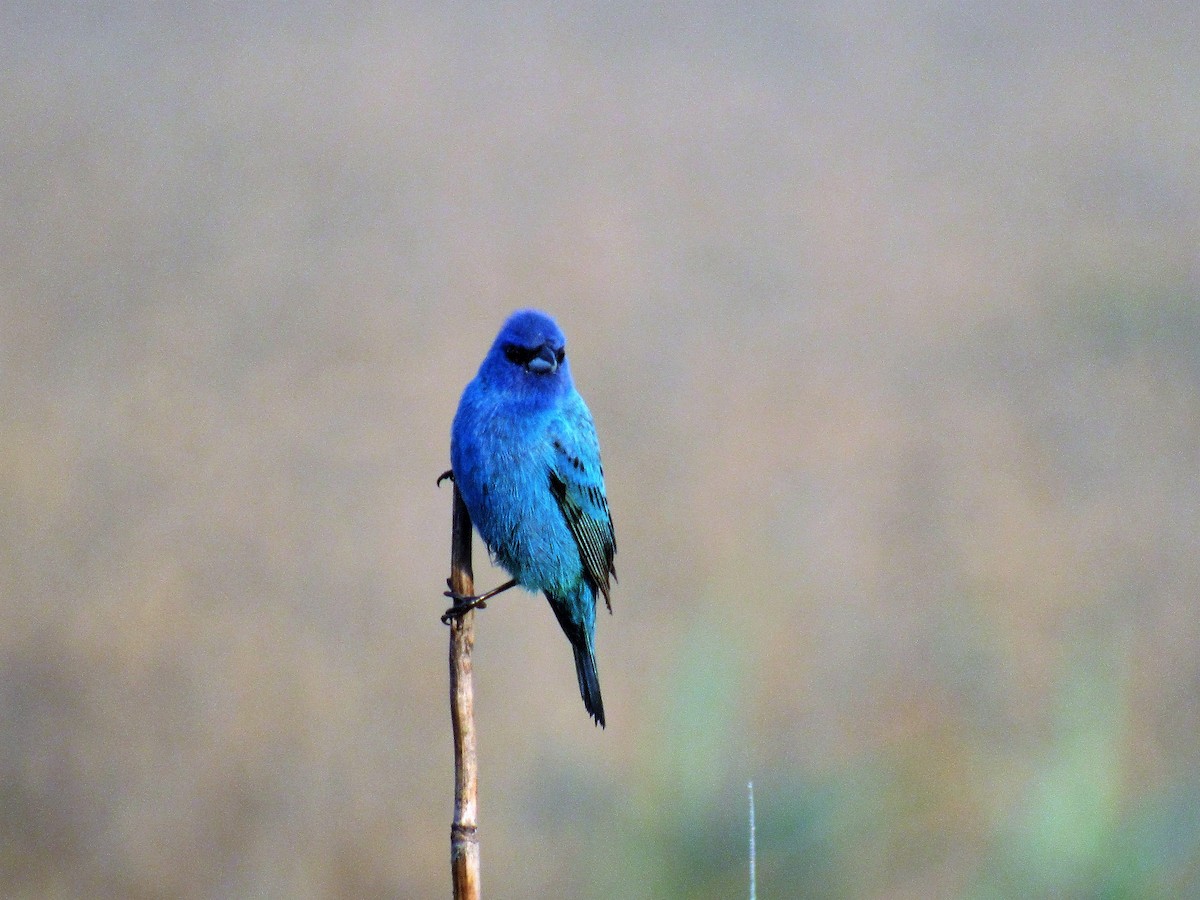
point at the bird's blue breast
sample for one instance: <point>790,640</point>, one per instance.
<point>501,453</point>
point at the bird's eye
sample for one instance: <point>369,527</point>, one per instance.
<point>560,354</point>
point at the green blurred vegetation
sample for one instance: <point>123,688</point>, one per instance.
<point>889,317</point>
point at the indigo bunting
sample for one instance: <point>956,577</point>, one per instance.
<point>525,457</point>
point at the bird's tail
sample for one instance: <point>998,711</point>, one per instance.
<point>589,681</point>
<point>577,616</point>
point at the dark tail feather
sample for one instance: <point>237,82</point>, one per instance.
<point>578,632</point>
<point>589,681</point>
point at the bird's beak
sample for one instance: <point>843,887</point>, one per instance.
<point>544,363</point>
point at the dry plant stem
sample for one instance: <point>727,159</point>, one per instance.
<point>464,837</point>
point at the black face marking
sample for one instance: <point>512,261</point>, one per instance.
<point>524,357</point>
<point>520,356</point>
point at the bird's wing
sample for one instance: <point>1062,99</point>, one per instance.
<point>577,483</point>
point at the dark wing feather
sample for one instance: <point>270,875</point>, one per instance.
<point>578,485</point>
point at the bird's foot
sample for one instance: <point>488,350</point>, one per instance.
<point>448,475</point>
<point>463,604</point>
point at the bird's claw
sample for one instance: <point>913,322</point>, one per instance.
<point>463,604</point>
<point>448,474</point>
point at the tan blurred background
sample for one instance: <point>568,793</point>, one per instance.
<point>889,318</point>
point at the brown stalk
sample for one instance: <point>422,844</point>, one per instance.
<point>464,837</point>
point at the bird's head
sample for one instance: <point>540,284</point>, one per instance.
<point>529,352</point>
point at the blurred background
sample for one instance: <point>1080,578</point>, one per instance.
<point>889,318</point>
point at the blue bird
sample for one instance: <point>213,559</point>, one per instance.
<point>525,457</point>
